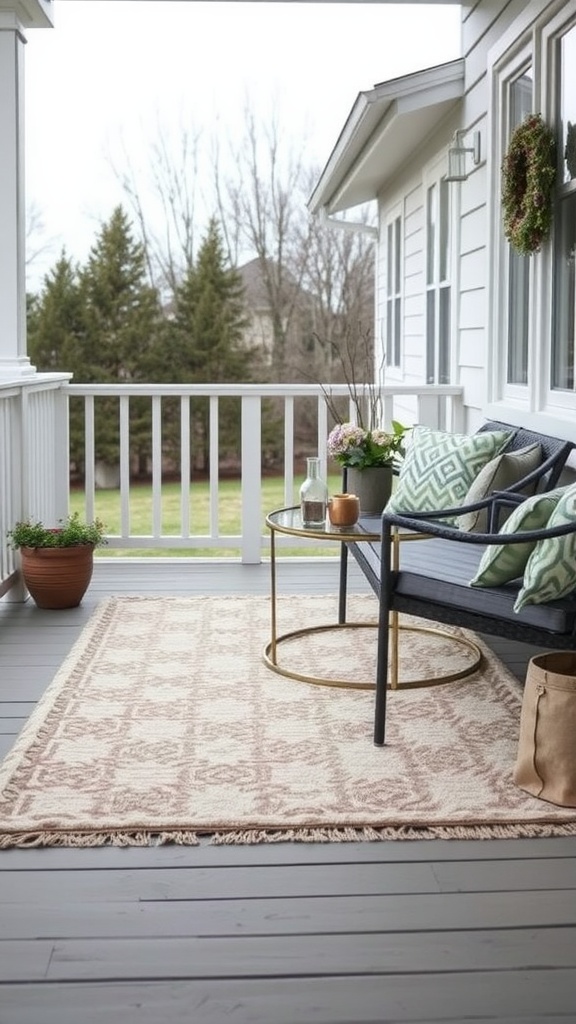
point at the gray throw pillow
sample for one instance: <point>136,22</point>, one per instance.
<point>499,474</point>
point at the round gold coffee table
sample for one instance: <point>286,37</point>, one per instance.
<point>288,521</point>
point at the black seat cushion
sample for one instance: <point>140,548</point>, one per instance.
<point>439,572</point>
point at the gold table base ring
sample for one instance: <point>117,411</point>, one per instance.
<point>350,684</point>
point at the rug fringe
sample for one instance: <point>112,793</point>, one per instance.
<point>403,832</point>
<point>246,837</point>
<point>33,840</point>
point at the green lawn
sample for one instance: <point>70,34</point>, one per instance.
<point>229,509</point>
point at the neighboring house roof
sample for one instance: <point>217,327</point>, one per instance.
<point>381,131</point>
<point>256,293</point>
<point>254,287</point>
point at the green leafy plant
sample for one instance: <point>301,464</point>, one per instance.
<point>351,445</point>
<point>72,532</point>
<point>528,174</point>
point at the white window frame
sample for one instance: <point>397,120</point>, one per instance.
<point>558,26</point>
<point>531,40</point>
<point>393,221</point>
<point>433,176</point>
<point>508,70</point>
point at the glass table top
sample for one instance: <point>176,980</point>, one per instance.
<point>289,520</point>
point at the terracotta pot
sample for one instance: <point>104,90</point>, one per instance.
<point>343,509</point>
<point>58,577</point>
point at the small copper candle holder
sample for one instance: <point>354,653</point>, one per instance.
<point>343,509</point>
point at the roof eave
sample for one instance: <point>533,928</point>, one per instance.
<point>382,129</point>
<point>30,13</point>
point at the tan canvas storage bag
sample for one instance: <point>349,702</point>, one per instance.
<point>546,762</point>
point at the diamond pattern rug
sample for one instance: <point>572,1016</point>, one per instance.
<point>165,725</point>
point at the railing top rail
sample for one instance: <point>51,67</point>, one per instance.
<point>267,390</point>
<point>34,382</point>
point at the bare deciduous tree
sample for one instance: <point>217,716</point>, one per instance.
<point>168,231</point>
<point>36,244</point>
<point>263,212</point>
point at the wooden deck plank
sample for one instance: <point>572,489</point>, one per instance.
<point>282,915</point>
<point>513,996</point>
<point>301,881</point>
<point>44,887</point>
<point>257,854</point>
<point>285,916</point>
<point>289,956</point>
<point>11,725</point>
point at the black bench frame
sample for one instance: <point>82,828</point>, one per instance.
<point>402,592</point>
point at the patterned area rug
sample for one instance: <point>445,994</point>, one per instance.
<point>164,725</point>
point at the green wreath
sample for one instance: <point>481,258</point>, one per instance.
<point>528,171</point>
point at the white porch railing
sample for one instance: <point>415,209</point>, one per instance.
<point>33,460</point>
<point>34,453</point>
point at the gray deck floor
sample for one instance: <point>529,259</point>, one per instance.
<point>420,931</point>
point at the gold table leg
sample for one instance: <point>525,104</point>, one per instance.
<point>270,653</point>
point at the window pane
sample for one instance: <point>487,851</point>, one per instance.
<point>568,102</point>
<point>518,266</point>
<point>563,348</point>
<point>397,332</point>
<point>520,98</point>
<point>397,277</point>
<point>444,230</point>
<point>518,307</point>
<point>444,337</point>
<point>430,337</point>
<point>389,332</point>
<point>393,293</point>
<point>562,360</point>
<point>431,218</point>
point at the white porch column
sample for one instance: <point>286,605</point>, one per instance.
<point>14,15</point>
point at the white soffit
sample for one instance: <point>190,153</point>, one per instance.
<point>30,13</point>
<point>384,128</point>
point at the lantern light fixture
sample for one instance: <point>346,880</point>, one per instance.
<point>457,155</point>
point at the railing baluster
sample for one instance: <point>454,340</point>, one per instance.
<point>288,450</point>
<point>251,480</point>
<point>156,467</point>
<point>214,467</point>
<point>185,464</point>
<point>89,457</point>
<point>124,413</point>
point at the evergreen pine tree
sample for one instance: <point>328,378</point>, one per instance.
<point>54,319</point>
<point>208,340</point>
<point>123,331</point>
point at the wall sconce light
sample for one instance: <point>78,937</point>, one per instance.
<point>457,155</point>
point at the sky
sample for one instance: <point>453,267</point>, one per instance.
<point>101,82</point>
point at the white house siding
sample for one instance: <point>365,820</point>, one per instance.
<point>471,293</point>
<point>413,309</point>
<point>405,197</point>
<point>484,23</point>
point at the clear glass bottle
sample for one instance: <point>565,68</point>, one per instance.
<point>313,496</point>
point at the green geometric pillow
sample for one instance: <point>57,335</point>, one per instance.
<point>502,563</point>
<point>439,467</point>
<point>550,572</point>
<point>498,475</point>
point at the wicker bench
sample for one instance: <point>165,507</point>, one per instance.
<point>433,578</point>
